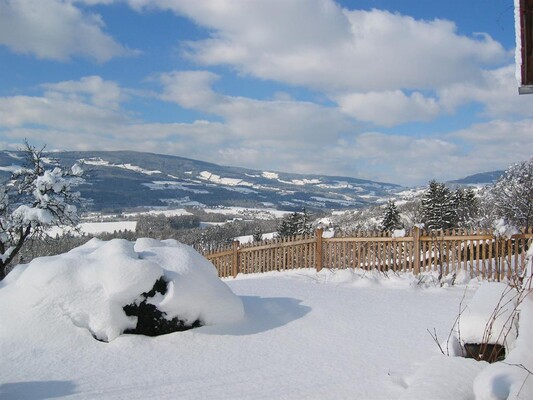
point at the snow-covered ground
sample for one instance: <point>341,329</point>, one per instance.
<point>305,335</point>
<point>95,228</point>
<point>259,213</point>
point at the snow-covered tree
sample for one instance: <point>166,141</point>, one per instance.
<point>297,223</point>
<point>305,225</point>
<point>34,200</point>
<point>257,235</point>
<point>437,207</point>
<point>512,195</point>
<point>466,206</point>
<point>391,218</point>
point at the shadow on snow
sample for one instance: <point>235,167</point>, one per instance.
<point>36,390</point>
<point>261,314</point>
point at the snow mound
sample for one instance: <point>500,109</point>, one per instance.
<point>91,284</point>
<point>432,379</point>
<point>512,379</point>
<point>490,316</point>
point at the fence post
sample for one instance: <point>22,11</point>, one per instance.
<point>235,260</point>
<point>318,252</point>
<point>416,249</point>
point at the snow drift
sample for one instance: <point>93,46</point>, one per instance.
<point>92,284</point>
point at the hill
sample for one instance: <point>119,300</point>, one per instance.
<point>120,180</point>
<point>483,178</point>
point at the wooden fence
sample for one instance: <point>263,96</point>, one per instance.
<point>479,253</point>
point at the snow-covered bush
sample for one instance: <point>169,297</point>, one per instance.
<point>99,285</point>
<point>512,195</point>
<point>33,200</point>
<point>487,329</point>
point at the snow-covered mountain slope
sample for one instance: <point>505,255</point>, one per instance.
<point>120,180</point>
<point>483,178</point>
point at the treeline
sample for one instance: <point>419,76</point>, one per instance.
<point>510,200</point>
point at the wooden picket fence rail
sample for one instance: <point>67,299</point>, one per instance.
<point>478,252</point>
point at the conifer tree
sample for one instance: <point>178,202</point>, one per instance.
<point>257,235</point>
<point>466,207</point>
<point>295,224</point>
<point>391,217</point>
<point>437,207</point>
<point>305,220</point>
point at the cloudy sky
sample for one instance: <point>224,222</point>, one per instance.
<point>400,91</point>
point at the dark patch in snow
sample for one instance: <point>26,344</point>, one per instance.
<point>150,320</point>
<point>485,352</point>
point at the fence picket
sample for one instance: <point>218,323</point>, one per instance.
<point>478,253</point>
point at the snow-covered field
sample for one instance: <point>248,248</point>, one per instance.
<point>305,335</point>
<point>95,228</point>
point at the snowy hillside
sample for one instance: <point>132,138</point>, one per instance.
<point>121,180</point>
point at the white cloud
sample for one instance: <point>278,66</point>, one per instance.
<point>316,44</point>
<point>190,89</point>
<point>261,122</point>
<point>389,108</point>
<point>496,89</point>
<point>55,29</point>
<point>105,94</point>
<point>379,67</point>
<point>415,160</point>
<point>71,105</point>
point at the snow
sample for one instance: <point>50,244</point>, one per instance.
<point>303,182</point>
<point>172,185</point>
<point>174,212</point>
<point>27,215</point>
<point>270,175</point>
<point>88,286</point>
<point>490,316</point>
<point>210,177</point>
<point>11,168</point>
<point>250,238</point>
<point>501,228</point>
<point>433,379</point>
<point>346,202</point>
<point>512,379</point>
<point>93,228</point>
<point>259,213</point>
<point>336,334</point>
<point>398,233</point>
<point>103,163</point>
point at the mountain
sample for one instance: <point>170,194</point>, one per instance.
<point>483,178</point>
<point>120,180</point>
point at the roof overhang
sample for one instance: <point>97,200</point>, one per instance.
<point>524,45</point>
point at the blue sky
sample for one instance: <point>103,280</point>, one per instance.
<point>402,91</point>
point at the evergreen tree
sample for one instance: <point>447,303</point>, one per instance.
<point>295,224</point>
<point>466,207</point>
<point>391,218</point>
<point>437,207</point>
<point>304,225</point>
<point>257,235</point>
